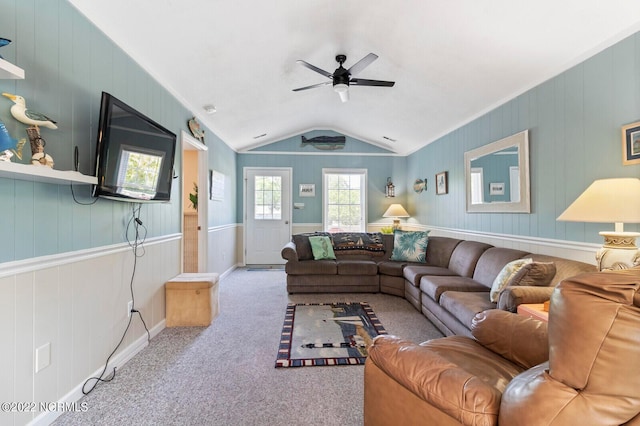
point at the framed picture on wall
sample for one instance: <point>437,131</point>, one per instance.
<point>442,184</point>
<point>496,188</point>
<point>307,190</point>
<point>631,143</point>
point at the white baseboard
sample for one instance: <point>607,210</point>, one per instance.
<point>116,362</point>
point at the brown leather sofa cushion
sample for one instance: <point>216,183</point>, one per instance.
<point>446,372</point>
<point>593,376</point>
<point>519,339</point>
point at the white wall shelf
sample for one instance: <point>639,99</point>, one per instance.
<point>43,174</point>
<point>10,71</point>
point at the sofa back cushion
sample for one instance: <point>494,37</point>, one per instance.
<point>492,261</point>
<point>565,268</point>
<point>303,247</point>
<point>440,249</point>
<point>465,256</point>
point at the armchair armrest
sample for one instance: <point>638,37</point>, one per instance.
<point>289,252</point>
<point>436,380</point>
<point>512,296</point>
<point>522,340</point>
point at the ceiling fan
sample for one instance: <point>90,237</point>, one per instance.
<point>343,78</point>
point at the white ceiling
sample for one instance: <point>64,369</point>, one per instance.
<point>451,60</point>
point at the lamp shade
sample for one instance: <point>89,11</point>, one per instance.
<point>607,201</point>
<point>395,210</point>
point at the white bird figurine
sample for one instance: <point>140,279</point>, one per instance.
<point>22,114</point>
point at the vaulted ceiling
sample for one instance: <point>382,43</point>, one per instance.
<point>451,60</point>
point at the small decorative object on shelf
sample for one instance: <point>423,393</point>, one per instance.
<point>4,42</point>
<point>29,117</point>
<point>6,143</point>
<point>38,156</point>
<point>34,119</point>
<point>195,129</point>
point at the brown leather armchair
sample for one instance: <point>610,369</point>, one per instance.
<point>592,376</point>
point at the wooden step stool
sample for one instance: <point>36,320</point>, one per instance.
<point>191,300</point>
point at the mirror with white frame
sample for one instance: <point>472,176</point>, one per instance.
<point>497,176</point>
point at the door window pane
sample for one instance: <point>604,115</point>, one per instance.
<point>268,198</point>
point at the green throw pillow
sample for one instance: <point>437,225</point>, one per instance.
<point>508,271</point>
<point>321,248</point>
<point>410,246</point>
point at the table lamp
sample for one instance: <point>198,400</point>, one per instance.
<point>606,201</point>
<point>396,211</point>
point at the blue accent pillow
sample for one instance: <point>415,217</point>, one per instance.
<point>410,246</point>
<point>321,248</point>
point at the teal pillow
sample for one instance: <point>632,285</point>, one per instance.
<point>410,246</point>
<point>321,248</point>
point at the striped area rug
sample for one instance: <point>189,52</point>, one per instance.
<point>321,334</point>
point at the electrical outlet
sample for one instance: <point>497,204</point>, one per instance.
<point>129,308</point>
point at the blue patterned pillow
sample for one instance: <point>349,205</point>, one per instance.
<point>410,246</point>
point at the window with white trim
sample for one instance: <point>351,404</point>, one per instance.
<point>344,200</point>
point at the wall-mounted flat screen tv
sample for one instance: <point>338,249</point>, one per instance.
<point>134,154</point>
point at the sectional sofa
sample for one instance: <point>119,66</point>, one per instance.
<point>450,285</point>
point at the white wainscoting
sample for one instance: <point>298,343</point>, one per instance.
<point>583,252</point>
<point>77,303</point>
<point>225,248</point>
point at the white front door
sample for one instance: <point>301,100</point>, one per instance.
<point>267,197</point>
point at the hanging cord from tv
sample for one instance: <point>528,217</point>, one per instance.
<point>95,200</point>
<point>136,245</point>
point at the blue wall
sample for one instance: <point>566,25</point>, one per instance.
<point>68,63</point>
<point>307,164</point>
<point>574,121</point>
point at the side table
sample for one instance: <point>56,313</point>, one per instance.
<point>534,310</point>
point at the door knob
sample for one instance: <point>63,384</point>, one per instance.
<point>286,222</point>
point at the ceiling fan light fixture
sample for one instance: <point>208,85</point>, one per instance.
<point>342,90</point>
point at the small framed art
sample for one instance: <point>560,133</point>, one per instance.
<point>631,144</point>
<point>307,190</point>
<point>442,184</point>
<point>496,188</point>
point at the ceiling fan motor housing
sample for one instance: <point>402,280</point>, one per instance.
<point>341,75</point>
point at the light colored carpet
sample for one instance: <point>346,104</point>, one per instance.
<point>224,374</point>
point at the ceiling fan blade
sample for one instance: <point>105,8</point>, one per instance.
<point>364,82</point>
<point>362,63</point>
<point>314,68</point>
<point>311,87</point>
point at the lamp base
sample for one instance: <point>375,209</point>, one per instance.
<point>396,224</point>
<point>619,251</point>
<point>620,240</point>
